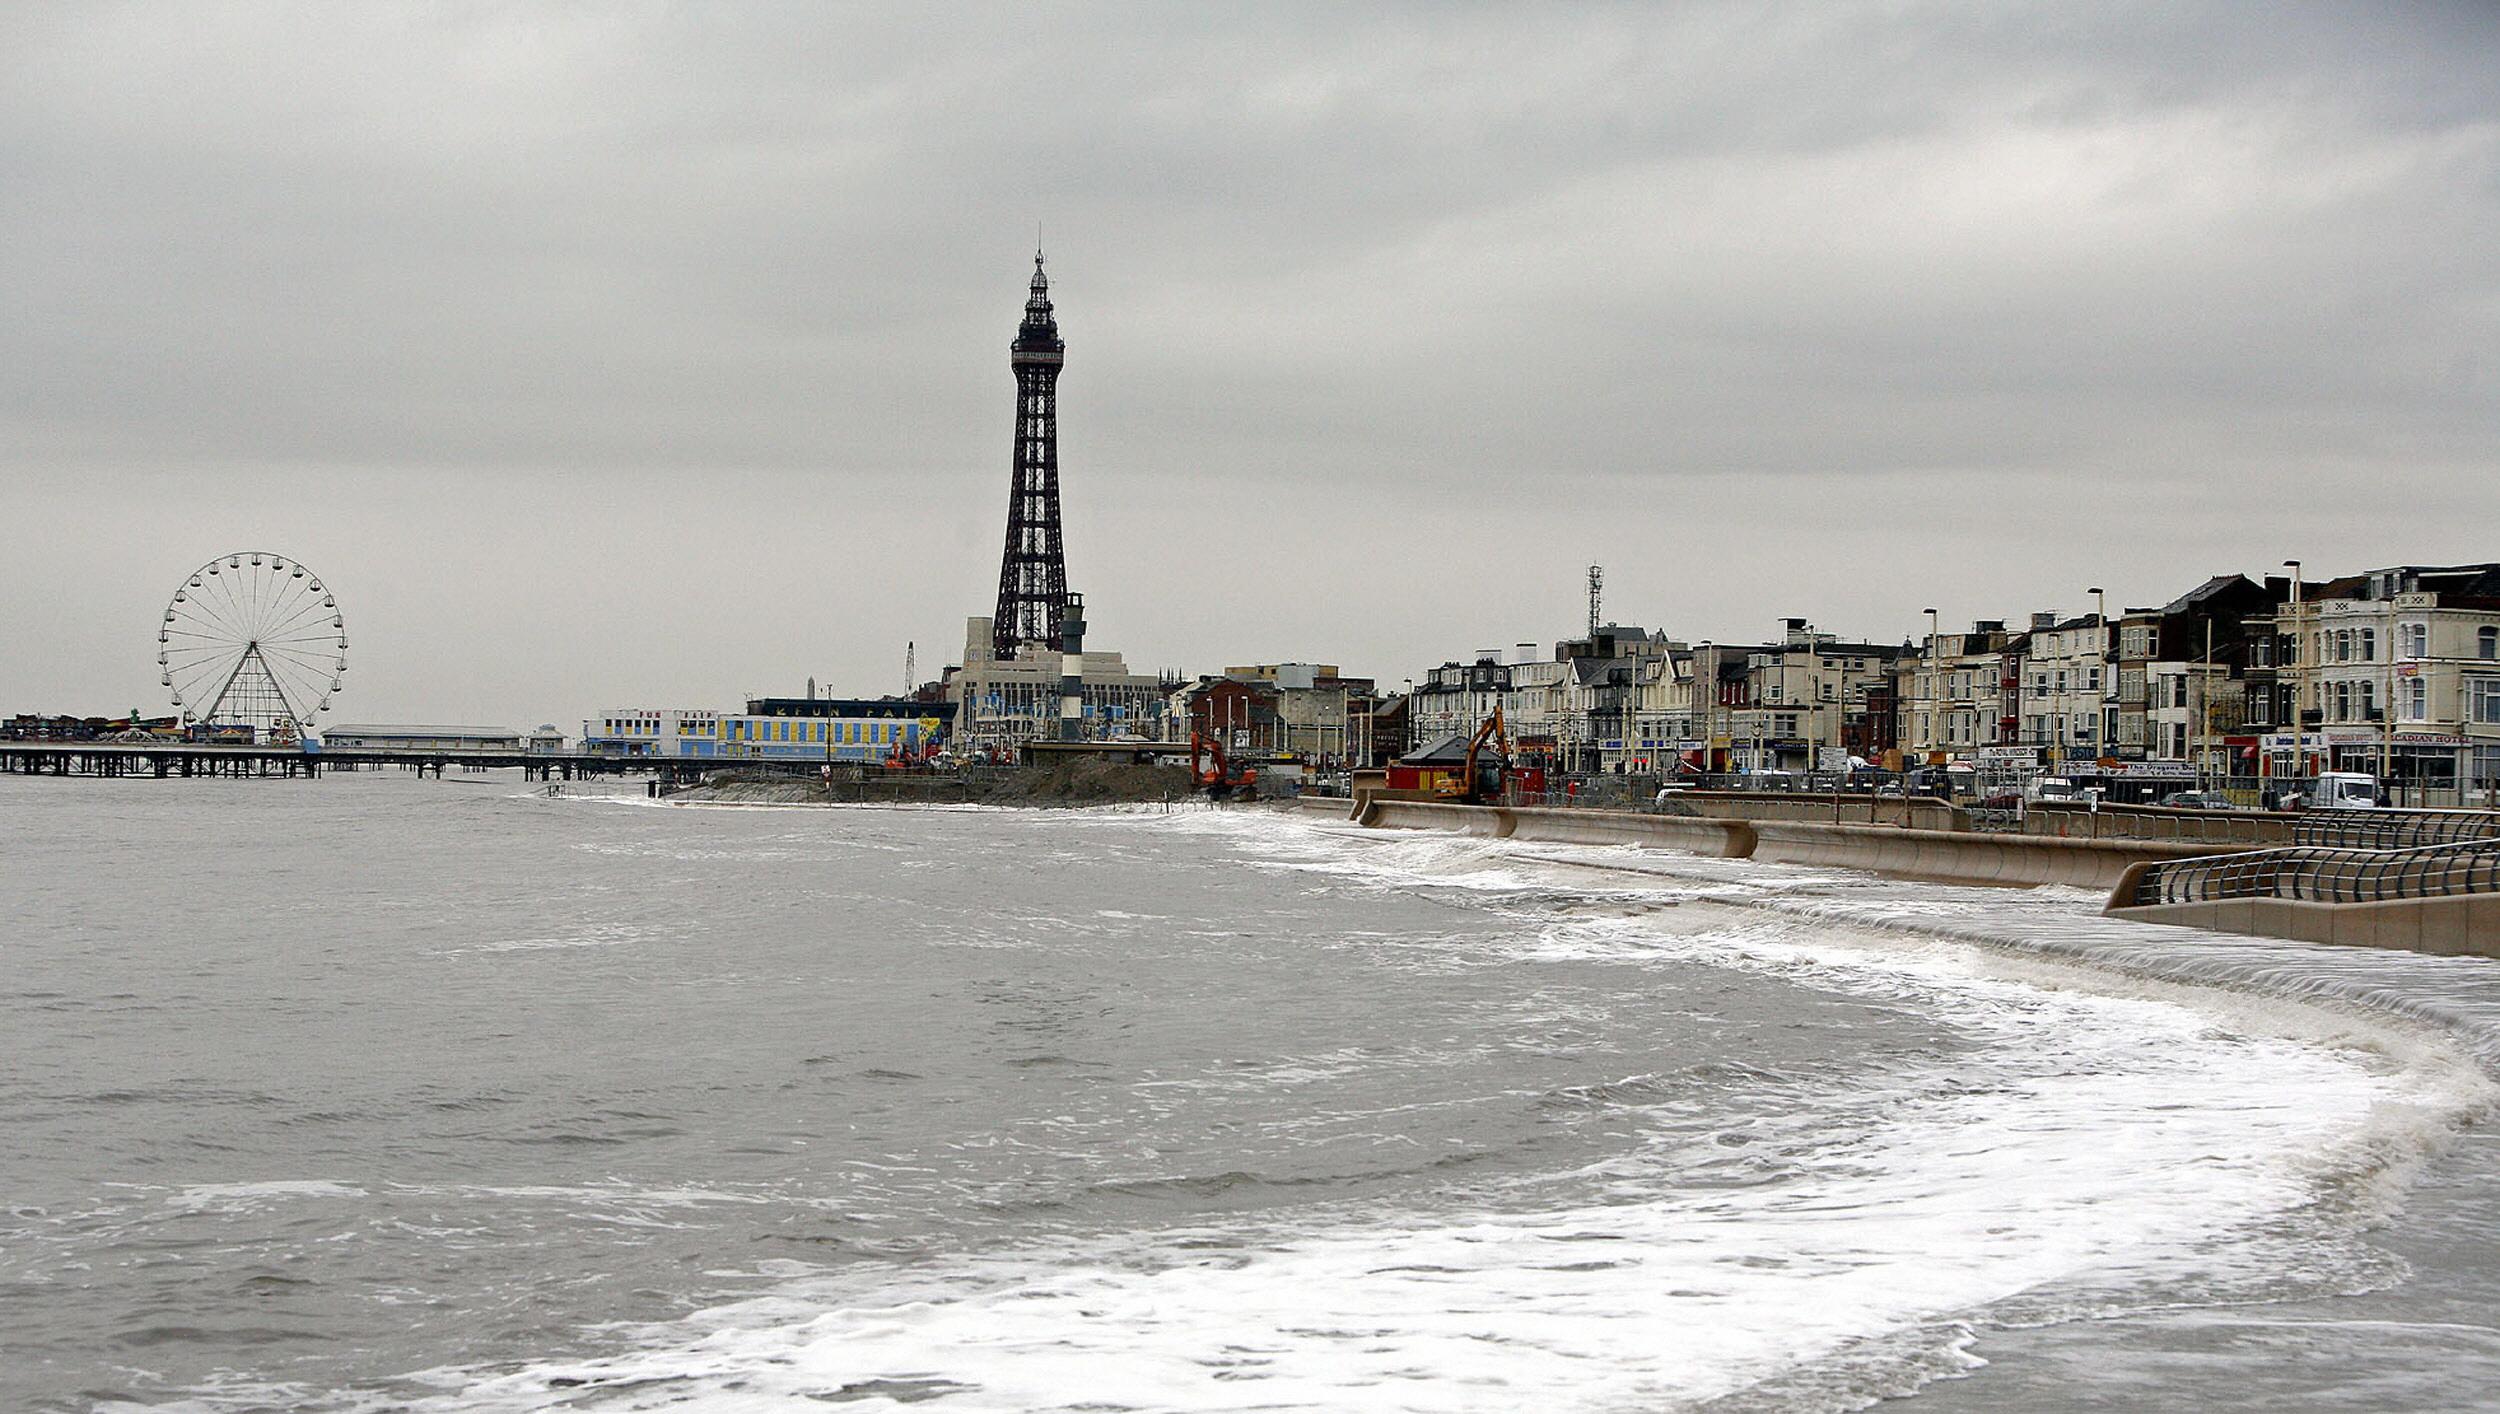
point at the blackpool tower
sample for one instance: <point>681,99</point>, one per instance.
<point>1033,576</point>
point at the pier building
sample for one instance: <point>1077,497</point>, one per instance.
<point>423,738</point>
<point>698,734</point>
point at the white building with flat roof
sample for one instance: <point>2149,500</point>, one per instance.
<point>422,738</point>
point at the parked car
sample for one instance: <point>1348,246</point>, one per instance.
<point>2200,800</point>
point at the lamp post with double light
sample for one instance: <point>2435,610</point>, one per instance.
<point>2298,663</point>
<point>2102,735</point>
<point>1935,687</point>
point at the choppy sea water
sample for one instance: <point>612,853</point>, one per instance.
<point>382,1094</point>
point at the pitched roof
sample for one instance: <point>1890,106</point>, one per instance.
<point>1448,751</point>
<point>2208,591</point>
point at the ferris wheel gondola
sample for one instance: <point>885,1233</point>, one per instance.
<point>253,638</point>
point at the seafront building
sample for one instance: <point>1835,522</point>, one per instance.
<point>997,703</point>
<point>1312,710</point>
<point>2394,672</point>
<point>773,729</point>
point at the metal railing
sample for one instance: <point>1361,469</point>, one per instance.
<point>2393,829</point>
<point>2323,875</point>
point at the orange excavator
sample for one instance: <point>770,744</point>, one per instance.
<point>1210,770</point>
<point>1479,780</point>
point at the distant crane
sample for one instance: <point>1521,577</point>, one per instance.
<point>1597,596</point>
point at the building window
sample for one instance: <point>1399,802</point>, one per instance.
<point>2413,640</point>
<point>2369,645</point>
<point>2416,698</point>
<point>2487,643</point>
<point>2482,700</point>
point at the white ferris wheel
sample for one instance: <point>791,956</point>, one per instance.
<point>253,639</point>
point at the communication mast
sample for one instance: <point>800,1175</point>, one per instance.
<point>1597,595</point>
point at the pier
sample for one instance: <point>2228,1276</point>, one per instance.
<point>166,760</point>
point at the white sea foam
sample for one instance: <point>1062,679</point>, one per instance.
<point>245,1196</point>
<point>2105,1139</point>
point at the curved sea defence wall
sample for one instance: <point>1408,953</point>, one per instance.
<point>1852,808</point>
<point>1725,839</point>
<point>1961,857</point>
<point>1483,821</point>
<point>1693,834</point>
<point>1947,856</point>
<point>2457,925</point>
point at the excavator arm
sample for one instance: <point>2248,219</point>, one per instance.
<point>1473,789</point>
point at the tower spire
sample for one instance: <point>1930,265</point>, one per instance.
<point>1033,574</point>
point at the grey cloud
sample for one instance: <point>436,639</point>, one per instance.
<point>1385,274</point>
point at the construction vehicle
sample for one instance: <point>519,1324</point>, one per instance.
<point>1479,780</point>
<point>1212,771</point>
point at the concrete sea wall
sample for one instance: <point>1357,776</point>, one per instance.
<point>2455,925</point>
<point>2462,924</point>
<point>1948,856</point>
<point>2067,820</point>
<point>1961,857</point>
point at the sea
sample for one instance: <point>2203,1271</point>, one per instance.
<point>382,1093</point>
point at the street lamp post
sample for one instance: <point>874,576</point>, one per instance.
<point>2101,736</point>
<point>1935,682</point>
<point>2298,665</point>
<point>2387,706</point>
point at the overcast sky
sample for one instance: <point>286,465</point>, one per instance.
<point>657,355</point>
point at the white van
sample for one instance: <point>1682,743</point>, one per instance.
<point>2344,790</point>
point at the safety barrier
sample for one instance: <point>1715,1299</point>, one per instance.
<point>2319,875</point>
<point>2437,898</point>
<point>2393,829</point>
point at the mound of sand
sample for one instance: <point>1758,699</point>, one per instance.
<point>1085,783</point>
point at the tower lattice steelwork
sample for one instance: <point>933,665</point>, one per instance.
<point>1033,577</point>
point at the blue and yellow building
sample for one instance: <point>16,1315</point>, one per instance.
<point>773,729</point>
